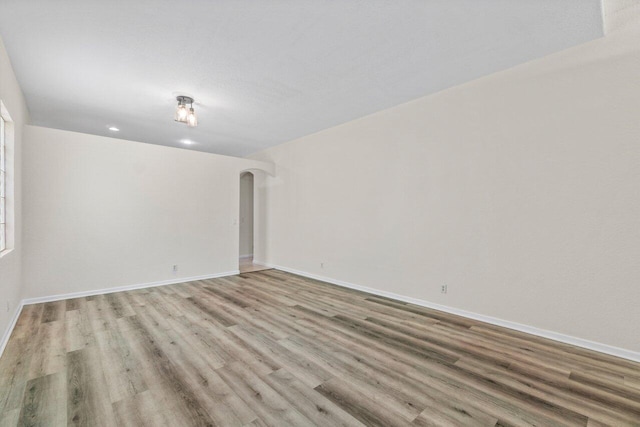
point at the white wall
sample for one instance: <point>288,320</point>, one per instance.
<point>11,262</point>
<point>246,215</point>
<point>617,14</point>
<point>520,191</point>
<point>102,212</point>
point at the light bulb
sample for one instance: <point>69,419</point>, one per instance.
<point>192,120</point>
<point>181,113</point>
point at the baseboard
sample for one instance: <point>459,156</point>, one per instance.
<point>9,330</point>
<point>59,297</point>
<point>246,256</point>
<point>566,339</point>
<point>38,300</point>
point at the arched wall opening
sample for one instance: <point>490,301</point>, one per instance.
<point>246,217</point>
<point>252,217</point>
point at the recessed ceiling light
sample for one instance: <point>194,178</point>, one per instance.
<point>186,141</point>
<point>114,129</point>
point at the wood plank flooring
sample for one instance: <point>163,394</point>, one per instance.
<point>246,265</point>
<point>275,349</point>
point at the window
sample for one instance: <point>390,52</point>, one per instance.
<point>3,189</point>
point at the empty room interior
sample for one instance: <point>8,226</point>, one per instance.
<point>320,213</point>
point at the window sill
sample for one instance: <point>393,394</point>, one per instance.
<point>5,252</point>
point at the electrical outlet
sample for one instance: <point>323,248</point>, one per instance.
<point>443,289</point>
<point>322,265</point>
<point>175,269</point>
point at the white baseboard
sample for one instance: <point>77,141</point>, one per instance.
<point>38,300</point>
<point>59,297</point>
<point>247,256</point>
<point>566,339</point>
<point>9,330</point>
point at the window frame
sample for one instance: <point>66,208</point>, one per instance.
<point>3,186</point>
<point>8,190</point>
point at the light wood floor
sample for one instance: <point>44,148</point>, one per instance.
<point>271,348</point>
<point>248,266</point>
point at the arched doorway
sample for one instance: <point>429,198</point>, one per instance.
<point>246,216</point>
<point>246,220</point>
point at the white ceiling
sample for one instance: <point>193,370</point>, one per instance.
<point>264,72</point>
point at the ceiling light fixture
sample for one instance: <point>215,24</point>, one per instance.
<point>192,120</point>
<point>114,129</point>
<point>184,114</point>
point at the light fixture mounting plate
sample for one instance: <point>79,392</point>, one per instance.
<point>182,99</point>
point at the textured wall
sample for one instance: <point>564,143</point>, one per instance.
<point>11,262</point>
<point>520,191</point>
<point>102,212</point>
